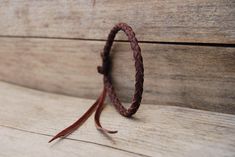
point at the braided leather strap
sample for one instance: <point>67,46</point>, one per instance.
<point>97,107</point>
<point>139,76</point>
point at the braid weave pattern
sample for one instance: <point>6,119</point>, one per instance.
<point>139,76</point>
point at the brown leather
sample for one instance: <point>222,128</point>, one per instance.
<point>139,76</point>
<point>108,87</point>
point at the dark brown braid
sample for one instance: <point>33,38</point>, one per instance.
<point>108,87</point>
<point>139,76</point>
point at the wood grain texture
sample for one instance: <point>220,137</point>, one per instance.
<point>155,130</point>
<point>21,144</point>
<point>206,21</point>
<point>198,77</point>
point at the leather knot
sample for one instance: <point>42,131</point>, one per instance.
<point>104,69</point>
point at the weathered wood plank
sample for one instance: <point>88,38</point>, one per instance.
<point>155,130</point>
<point>19,143</point>
<point>193,76</point>
<point>207,21</point>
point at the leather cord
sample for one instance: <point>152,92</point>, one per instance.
<point>139,76</point>
<point>108,87</point>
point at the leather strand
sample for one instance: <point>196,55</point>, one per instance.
<point>80,121</point>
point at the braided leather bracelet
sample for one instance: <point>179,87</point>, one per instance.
<point>108,87</point>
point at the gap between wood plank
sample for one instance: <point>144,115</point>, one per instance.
<point>140,41</point>
<point>64,94</point>
<point>66,138</point>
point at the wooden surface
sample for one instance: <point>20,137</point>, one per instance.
<point>22,143</point>
<point>201,77</point>
<point>53,46</point>
<point>29,118</point>
<point>203,21</point>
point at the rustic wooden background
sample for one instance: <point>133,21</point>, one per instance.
<point>186,46</point>
<point>188,49</point>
